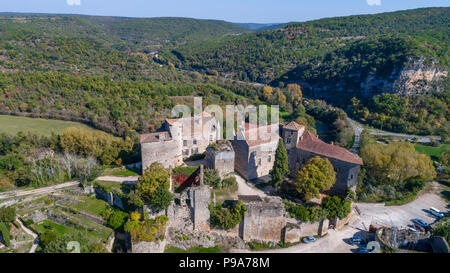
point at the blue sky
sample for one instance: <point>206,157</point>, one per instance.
<point>256,11</point>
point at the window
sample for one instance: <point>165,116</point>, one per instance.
<point>211,137</point>
<point>184,142</point>
<point>195,142</point>
<point>259,162</point>
<point>269,159</point>
<point>288,141</point>
<point>351,176</point>
<point>194,151</point>
<point>186,152</point>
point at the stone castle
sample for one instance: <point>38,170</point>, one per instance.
<point>178,139</point>
<point>252,151</point>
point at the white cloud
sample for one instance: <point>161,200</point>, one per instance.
<point>73,2</point>
<point>374,2</point>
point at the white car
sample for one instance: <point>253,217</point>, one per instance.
<point>436,212</point>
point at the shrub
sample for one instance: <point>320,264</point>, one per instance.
<point>117,219</point>
<point>212,178</point>
<point>7,214</point>
<point>229,216</point>
<point>229,182</point>
<point>336,206</point>
<point>5,233</point>
<point>162,198</point>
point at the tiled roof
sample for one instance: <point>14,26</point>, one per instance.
<point>256,135</point>
<point>293,126</point>
<point>311,143</point>
<point>184,123</point>
<point>155,137</point>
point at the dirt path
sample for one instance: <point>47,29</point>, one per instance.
<point>119,179</point>
<point>19,193</point>
<point>31,233</point>
<point>245,189</point>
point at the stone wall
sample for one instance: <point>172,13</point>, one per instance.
<point>241,157</point>
<point>111,198</point>
<point>340,223</point>
<point>168,153</point>
<point>346,173</point>
<point>148,247</point>
<point>296,230</point>
<point>261,159</point>
<point>200,199</point>
<point>221,160</point>
<point>263,221</point>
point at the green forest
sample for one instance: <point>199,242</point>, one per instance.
<point>337,59</point>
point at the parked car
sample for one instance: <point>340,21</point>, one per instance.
<point>356,240</point>
<point>310,239</point>
<point>363,249</point>
<point>419,227</point>
<point>420,222</point>
<point>436,212</point>
<point>412,229</point>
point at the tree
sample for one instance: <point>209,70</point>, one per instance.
<point>153,186</point>
<point>117,219</point>
<point>4,231</point>
<point>229,216</point>
<point>267,92</point>
<point>155,176</point>
<point>280,166</point>
<point>162,198</point>
<point>317,176</point>
<point>7,214</point>
<point>336,207</point>
<point>395,163</point>
<point>294,94</point>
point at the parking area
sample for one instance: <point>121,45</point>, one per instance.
<point>399,216</point>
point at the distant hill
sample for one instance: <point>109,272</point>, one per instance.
<point>266,56</point>
<point>150,32</point>
<point>336,59</point>
<point>100,70</point>
<point>258,27</point>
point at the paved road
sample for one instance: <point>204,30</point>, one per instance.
<point>400,216</point>
<point>19,193</point>
<point>358,129</point>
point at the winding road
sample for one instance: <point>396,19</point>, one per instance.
<point>358,129</point>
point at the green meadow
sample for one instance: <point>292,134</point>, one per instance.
<point>15,124</point>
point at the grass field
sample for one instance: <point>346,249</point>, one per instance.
<point>430,150</point>
<point>15,124</point>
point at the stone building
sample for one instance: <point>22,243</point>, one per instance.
<point>302,145</point>
<point>178,139</point>
<point>220,156</point>
<point>190,209</point>
<point>255,148</point>
<point>264,220</point>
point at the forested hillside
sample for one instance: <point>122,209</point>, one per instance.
<point>100,70</point>
<point>336,59</point>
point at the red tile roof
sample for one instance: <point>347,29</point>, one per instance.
<point>311,143</point>
<point>293,126</point>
